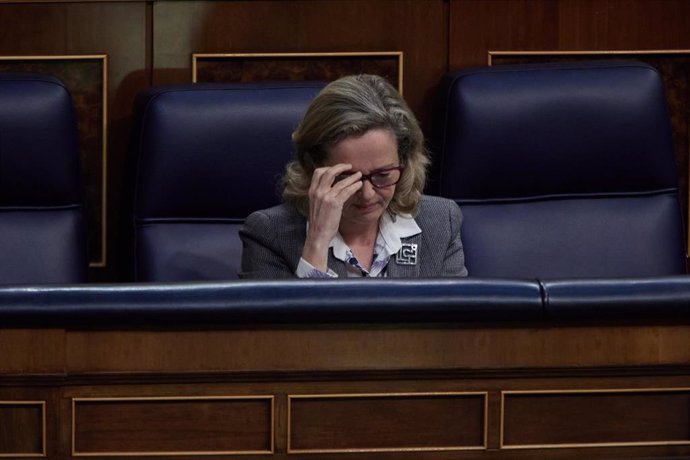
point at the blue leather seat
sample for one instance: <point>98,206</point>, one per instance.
<point>209,155</point>
<point>42,235</point>
<point>562,170</point>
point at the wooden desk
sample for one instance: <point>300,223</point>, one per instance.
<point>515,390</point>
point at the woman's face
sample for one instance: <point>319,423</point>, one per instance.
<point>374,150</point>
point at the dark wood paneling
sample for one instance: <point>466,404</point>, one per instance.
<point>25,351</point>
<point>434,422</point>
<point>135,387</point>
<point>176,425</point>
<point>596,418</point>
<point>477,27</point>
<point>387,349</point>
<point>624,24</point>
<point>36,405</point>
<point>417,28</point>
<point>21,428</point>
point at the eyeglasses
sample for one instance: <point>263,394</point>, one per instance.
<point>379,178</point>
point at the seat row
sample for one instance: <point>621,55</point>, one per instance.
<point>562,171</point>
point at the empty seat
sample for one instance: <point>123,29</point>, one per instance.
<point>208,155</point>
<point>562,170</point>
<point>42,236</point>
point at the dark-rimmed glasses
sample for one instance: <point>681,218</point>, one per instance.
<point>380,178</point>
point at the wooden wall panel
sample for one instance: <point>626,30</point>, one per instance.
<point>22,429</point>
<point>477,27</point>
<point>624,24</point>
<point>418,29</point>
<point>29,416</point>
<point>173,426</point>
<point>45,351</point>
<point>588,418</point>
<point>346,423</point>
<point>592,391</point>
<point>271,349</point>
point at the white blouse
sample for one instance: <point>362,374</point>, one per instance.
<point>392,229</point>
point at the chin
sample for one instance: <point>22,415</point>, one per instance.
<point>364,215</point>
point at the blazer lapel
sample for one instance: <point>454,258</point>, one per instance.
<point>397,270</point>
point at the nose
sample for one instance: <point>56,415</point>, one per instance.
<point>367,191</point>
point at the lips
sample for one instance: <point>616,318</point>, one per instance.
<point>366,207</point>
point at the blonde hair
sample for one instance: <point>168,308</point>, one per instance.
<point>351,106</point>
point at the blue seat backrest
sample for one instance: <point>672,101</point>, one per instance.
<point>209,155</point>
<point>562,170</point>
<point>42,236</point>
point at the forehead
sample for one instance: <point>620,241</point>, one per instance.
<point>374,149</point>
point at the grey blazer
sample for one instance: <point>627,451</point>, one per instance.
<point>273,239</point>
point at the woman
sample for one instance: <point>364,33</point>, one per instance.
<point>353,196</point>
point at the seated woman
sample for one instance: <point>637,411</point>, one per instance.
<point>353,196</point>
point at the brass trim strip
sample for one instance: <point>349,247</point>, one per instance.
<point>51,57</point>
<point>594,445</point>
<point>102,261</point>
<point>270,398</point>
<point>383,449</point>
<point>600,390</point>
<point>502,445</point>
<point>501,422</point>
<point>104,172</point>
<point>43,429</point>
<point>400,73</point>
<point>399,54</point>
<point>290,450</point>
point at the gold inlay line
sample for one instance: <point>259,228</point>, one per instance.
<point>270,398</point>
<point>502,444</point>
<point>483,446</point>
<point>42,453</point>
<point>398,54</point>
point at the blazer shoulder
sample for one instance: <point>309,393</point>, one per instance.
<point>438,215</point>
<point>435,205</point>
<point>282,213</point>
<point>275,221</point>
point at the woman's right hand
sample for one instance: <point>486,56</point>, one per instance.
<point>326,200</point>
